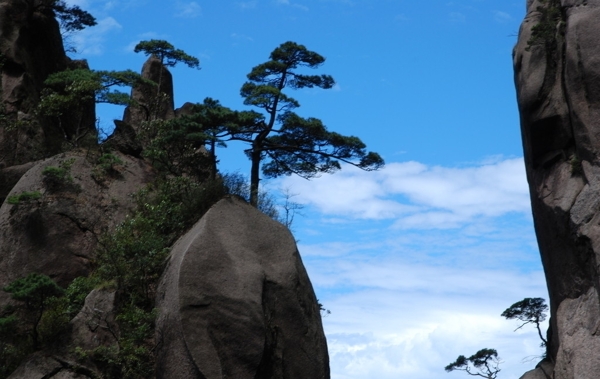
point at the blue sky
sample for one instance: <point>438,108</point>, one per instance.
<point>417,261</point>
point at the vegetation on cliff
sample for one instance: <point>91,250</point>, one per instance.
<point>130,259</point>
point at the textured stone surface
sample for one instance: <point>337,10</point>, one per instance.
<point>38,366</point>
<point>543,370</point>
<point>236,302</point>
<point>145,96</point>
<point>10,176</point>
<point>44,366</point>
<point>558,91</point>
<point>31,44</point>
<point>32,49</point>
<point>124,139</point>
<point>57,234</point>
<point>95,324</point>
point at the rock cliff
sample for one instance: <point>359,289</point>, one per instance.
<point>57,233</point>
<point>557,76</point>
<point>31,48</point>
<point>234,299</point>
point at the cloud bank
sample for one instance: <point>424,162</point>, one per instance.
<point>418,195</point>
<point>417,262</point>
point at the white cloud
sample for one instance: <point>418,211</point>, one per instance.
<point>406,305</point>
<point>246,4</point>
<point>457,17</point>
<point>502,17</point>
<point>244,37</point>
<point>187,10</point>
<point>416,328</point>
<point>289,3</point>
<point>417,195</point>
<point>406,302</point>
<point>91,41</point>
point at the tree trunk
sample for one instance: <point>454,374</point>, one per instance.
<point>254,175</point>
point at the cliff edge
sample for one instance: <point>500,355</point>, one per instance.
<point>557,76</point>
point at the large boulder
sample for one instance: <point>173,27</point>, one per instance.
<point>557,75</point>
<point>235,302</point>
<point>55,232</point>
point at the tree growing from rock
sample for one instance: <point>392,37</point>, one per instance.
<point>485,363</point>
<point>293,144</point>
<point>67,90</point>
<point>168,56</point>
<point>71,17</point>
<point>34,292</point>
<point>529,311</point>
<point>177,142</point>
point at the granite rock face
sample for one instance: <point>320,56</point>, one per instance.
<point>93,327</point>
<point>557,78</point>
<point>57,233</point>
<point>151,102</point>
<point>31,49</point>
<point>235,302</point>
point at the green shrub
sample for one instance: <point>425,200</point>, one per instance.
<point>173,150</point>
<point>106,166</point>
<point>133,257</point>
<point>13,348</point>
<point>576,167</point>
<point>36,292</point>
<point>76,293</point>
<point>544,33</point>
<point>23,197</point>
<point>35,321</point>
<point>237,184</point>
<point>56,178</point>
<point>108,161</point>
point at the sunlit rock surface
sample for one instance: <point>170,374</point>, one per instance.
<point>235,302</point>
<point>57,233</point>
<point>558,91</point>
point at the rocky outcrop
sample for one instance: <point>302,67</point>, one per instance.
<point>235,302</point>
<point>10,176</point>
<point>93,327</point>
<point>542,371</point>
<point>151,102</point>
<point>124,139</point>
<point>95,324</point>
<point>557,75</point>
<point>31,49</point>
<point>55,232</point>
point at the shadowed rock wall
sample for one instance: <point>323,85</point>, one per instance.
<point>31,49</point>
<point>557,77</point>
